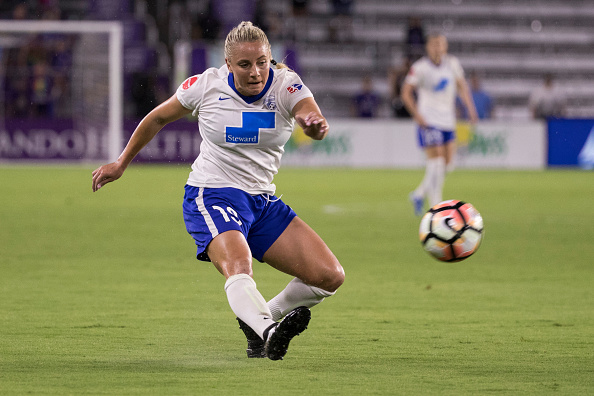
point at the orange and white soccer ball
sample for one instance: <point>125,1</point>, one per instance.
<point>451,230</point>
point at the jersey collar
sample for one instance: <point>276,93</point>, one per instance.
<point>251,99</point>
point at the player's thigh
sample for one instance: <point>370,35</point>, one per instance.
<point>299,251</point>
<point>435,151</point>
<point>230,253</point>
<point>450,151</point>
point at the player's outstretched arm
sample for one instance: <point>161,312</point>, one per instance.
<point>166,112</point>
<point>309,116</point>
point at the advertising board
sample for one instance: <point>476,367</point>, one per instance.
<point>353,143</point>
<point>571,143</point>
<point>393,144</point>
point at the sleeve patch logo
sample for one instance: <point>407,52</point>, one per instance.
<point>188,83</point>
<point>294,88</point>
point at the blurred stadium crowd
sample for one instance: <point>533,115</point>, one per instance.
<point>352,54</point>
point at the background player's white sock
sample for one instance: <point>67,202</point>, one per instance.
<point>247,302</point>
<point>423,188</point>
<point>435,189</point>
<point>451,166</point>
<point>296,294</point>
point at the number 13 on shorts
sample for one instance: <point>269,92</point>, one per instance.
<point>226,216</point>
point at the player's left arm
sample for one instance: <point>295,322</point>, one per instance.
<point>466,97</point>
<point>308,115</point>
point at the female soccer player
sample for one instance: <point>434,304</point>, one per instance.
<point>436,78</point>
<point>246,111</point>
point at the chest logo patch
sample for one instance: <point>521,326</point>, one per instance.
<point>270,102</point>
<point>251,123</point>
<point>441,85</point>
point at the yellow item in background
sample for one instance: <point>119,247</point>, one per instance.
<point>464,133</point>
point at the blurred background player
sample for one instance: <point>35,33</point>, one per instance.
<point>367,101</point>
<point>483,102</point>
<point>246,112</point>
<point>547,100</point>
<point>415,38</point>
<point>396,77</point>
<point>435,79</point>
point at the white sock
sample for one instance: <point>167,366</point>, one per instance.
<point>423,187</point>
<point>451,166</point>
<point>436,181</point>
<point>247,303</point>
<point>296,294</point>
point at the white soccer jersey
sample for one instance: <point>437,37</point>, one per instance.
<point>436,90</point>
<point>243,138</point>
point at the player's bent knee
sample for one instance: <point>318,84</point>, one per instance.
<point>234,267</point>
<point>331,279</point>
<point>338,277</point>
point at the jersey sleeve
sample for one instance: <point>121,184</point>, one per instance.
<point>293,90</point>
<point>190,92</point>
<point>414,74</point>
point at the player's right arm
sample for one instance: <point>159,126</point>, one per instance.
<point>166,112</point>
<point>407,96</point>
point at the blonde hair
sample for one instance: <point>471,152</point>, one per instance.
<point>247,32</point>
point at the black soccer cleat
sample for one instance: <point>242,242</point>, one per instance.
<point>255,345</point>
<point>292,325</point>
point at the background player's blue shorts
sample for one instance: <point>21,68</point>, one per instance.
<point>431,136</point>
<point>209,212</point>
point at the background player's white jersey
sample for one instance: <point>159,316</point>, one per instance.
<point>436,90</point>
<point>243,137</point>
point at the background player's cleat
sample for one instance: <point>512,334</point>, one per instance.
<point>255,348</point>
<point>418,204</point>
<point>292,325</point>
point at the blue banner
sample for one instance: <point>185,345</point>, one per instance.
<point>571,143</point>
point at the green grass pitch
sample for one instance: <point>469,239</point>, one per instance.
<point>100,292</point>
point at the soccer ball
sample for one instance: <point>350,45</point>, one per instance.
<point>451,230</point>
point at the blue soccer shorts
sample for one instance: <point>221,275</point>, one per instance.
<point>431,136</point>
<point>209,212</point>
